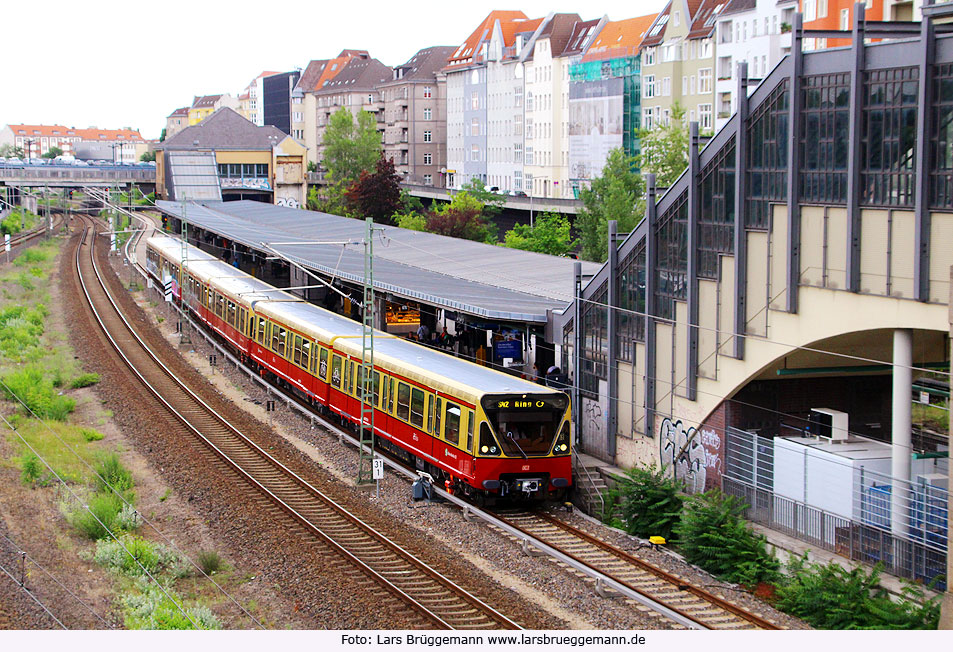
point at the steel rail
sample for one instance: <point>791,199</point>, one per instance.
<point>469,510</point>
<point>461,593</point>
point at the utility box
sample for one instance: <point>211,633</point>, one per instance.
<point>828,424</point>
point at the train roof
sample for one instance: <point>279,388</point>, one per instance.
<point>420,363</point>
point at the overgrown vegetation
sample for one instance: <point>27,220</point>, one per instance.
<point>18,220</point>
<point>710,531</point>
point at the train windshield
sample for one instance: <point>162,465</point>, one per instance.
<point>525,424</point>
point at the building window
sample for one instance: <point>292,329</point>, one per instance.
<point>666,86</point>
<point>428,136</point>
<point>822,8</point>
<point>517,179</point>
<point>428,91</point>
<point>704,117</point>
<point>767,133</point>
<point>845,19</point>
<point>704,81</point>
<point>518,153</point>
<point>518,96</point>
<point>529,156</point>
<point>648,86</point>
<point>428,179</point>
<point>475,127</point>
<point>428,159</point>
<point>475,153</point>
<point>648,57</point>
<point>474,101</point>
<point>647,121</point>
<point>428,114</point>
<point>810,10</point>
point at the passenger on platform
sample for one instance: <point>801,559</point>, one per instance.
<point>423,333</point>
<point>445,339</point>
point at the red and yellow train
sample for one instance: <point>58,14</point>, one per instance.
<point>478,431</point>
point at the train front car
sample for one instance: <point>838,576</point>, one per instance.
<point>524,447</point>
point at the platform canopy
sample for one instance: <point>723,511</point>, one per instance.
<point>477,279</point>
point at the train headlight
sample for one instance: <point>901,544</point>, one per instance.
<point>484,449</point>
<point>561,447</point>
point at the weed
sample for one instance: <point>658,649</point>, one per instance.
<point>165,496</point>
<point>85,380</point>
<point>97,521</point>
<point>128,518</point>
<point>160,319</point>
<point>112,475</point>
<point>153,609</point>
<point>37,393</point>
<point>32,256</point>
<point>90,435</point>
<point>31,469</point>
<point>209,561</point>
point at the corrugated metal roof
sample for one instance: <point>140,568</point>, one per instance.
<point>474,278</point>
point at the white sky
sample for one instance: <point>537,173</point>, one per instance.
<point>115,64</point>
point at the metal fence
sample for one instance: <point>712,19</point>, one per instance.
<point>865,535</point>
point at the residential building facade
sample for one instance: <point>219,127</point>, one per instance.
<point>415,125</point>
<point>751,31</point>
<point>205,105</point>
<point>36,140</point>
<point>276,99</point>
<point>678,64</point>
<point>176,121</point>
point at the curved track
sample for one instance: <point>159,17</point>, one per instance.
<point>695,604</point>
<point>440,602</point>
<point>613,570</point>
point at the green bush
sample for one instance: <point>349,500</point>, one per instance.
<point>84,380</point>
<point>31,469</point>
<point>152,609</point>
<point>832,597</point>
<point>20,330</point>
<point>37,393</point>
<point>112,474</point>
<point>32,256</point>
<point>713,535</point>
<point>97,522</point>
<point>91,435</point>
<point>210,561</point>
<point>648,503</point>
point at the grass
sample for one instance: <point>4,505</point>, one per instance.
<point>932,417</point>
<point>44,437</point>
<point>84,380</point>
<point>18,220</point>
<point>210,562</point>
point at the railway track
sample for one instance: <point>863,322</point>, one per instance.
<point>698,606</point>
<point>440,602</point>
<point>613,570</point>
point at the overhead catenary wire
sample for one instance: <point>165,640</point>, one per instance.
<point>33,597</point>
<point>19,549</point>
<point>98,520</point>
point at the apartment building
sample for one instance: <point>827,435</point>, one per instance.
<point>467,96</point>
<point>678,63</point>
<point>251,99</point>
<point>353,85</point>
<point>176,121</point>
<point>276,100</point>
<point>415,125</point>
<point>754,31</point>
<point>546,80</point>
<point>605,97</point>
<point>36,140</point>
<point>205,105</point>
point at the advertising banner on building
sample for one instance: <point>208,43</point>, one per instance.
<point>595,125</point>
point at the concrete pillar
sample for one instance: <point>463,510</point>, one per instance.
<point>901,427</point>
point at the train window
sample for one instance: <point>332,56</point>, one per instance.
<point>417,407</point>
<point>336,371</point>
<point>242,321</point>
<point>347,376</point>
<point>452,427</point>
<point>385,405</point>
<point>403,401</point>
<point>487,443</point>
<point>261,330</point>
<point>323,368</point>
<point>282,339</point>
<point>377,386</point>
<point>305,353</point>
<point>231,313</point>
<point>433,402</point>
<point>471,416</point>
<point>274,338</point>
<point>438,412</point>
<point>297,349</point>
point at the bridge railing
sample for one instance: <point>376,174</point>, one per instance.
<point>79,173</point>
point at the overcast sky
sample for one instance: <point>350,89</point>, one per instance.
<point>129,64</point>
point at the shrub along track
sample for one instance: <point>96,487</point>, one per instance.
<point>307,571</point>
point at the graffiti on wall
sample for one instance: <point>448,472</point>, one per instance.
<point>290,202</point>
<point>681,450</point>
<point>711,441</point>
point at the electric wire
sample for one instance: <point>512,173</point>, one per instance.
<point>20,549</point>
<point>86,506</point>
<point>35,599</point>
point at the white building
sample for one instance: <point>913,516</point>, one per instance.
<point>748,30</point>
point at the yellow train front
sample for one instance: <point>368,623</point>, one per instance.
<point>477,431</point>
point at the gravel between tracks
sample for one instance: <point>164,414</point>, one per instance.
<point>325,593</point>
<point>537,592</point>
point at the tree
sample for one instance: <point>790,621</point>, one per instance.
<point>376,194</point>
<point>148,156</point>
<point>350,148</point>
<point>664,150</point>
<point>312,166</point>
<point>462,218</point>
<point>548,235</point>
<point>9,151</point>
<point>492,202</point>
<point>53,152</point>
<point>162,135</point>
<point>411,221</point>
<point>617,194</point>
